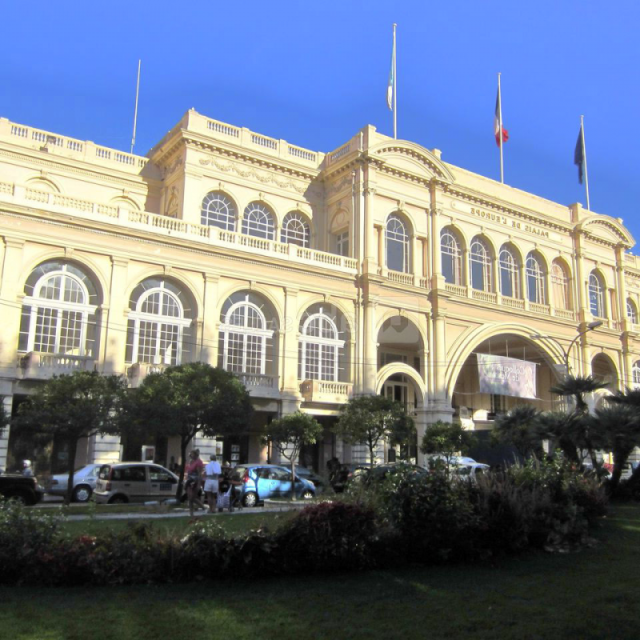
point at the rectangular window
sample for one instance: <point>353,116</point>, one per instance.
<point>342,244</point>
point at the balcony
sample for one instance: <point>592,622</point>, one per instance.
<point>138,371</point>
<point>325,391</point>
<point>41,366</point>
<point>259,385</point>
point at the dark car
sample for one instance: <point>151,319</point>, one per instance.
<point>309,474</point>
<point>24,489</point>
<point>346,474</point>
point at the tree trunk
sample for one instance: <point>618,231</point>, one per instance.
<point>293,477</point>
<point>183,459</point>
<point>73,445</point>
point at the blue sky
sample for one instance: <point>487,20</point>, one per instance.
<point>315,73</point>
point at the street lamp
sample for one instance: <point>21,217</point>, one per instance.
<point>566,352</point>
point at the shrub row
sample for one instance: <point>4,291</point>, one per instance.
<point>404,519</point>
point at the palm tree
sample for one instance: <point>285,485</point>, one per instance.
<point>578,386</point>
<point>560,428</point>
<point>518,427</point>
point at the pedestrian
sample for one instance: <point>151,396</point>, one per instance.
<point>26,468</point>
<point>212,473</point>
<point>193,475</point>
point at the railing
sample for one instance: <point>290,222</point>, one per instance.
<point>262,141</point>
<point>456,289</point>
<point>514,303</point>
<point>326,391</point>
<point>44,365</point>
<point>567,314</point>
<point>400,278</point>
<point>545,309</point>
<point>226,129</point>
<point>303,153</point>
<point>340,153</point>
<point>258,380</point>
<point>484,296</point>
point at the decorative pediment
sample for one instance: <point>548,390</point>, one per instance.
<point>411,158</point>
<point>606,229</point>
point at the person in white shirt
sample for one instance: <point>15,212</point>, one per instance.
<point>212,472</point>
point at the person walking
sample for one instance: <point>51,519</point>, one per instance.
<point>193,473</point>
<point>212,473</point>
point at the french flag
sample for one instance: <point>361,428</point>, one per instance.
<point>496,122</point>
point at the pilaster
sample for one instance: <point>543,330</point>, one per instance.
<point>209,320</point>
<point>113,335</point>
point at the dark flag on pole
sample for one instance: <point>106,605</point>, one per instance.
<point>578,156</point>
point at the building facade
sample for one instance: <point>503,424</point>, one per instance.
<point>375,268</point>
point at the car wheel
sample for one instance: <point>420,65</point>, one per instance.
<point>250,499</point>
<point>118,500</point>
<point>307,494</point>
<point>82,493</point>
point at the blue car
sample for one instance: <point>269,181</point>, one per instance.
<point>258,482</point>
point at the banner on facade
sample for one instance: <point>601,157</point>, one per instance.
<point>502,376</point>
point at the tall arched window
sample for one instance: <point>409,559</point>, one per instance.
<point>632,311</point>
<point>397,244</point>
<point>218,211</point>
<point>560,285</point>
<point>535,279</point>
<point>258,222</point>
<point>320,347</point>
<point>509,273</point>
<point>59,311</point>
<point>596,295</point>
<point>295,230</point>
<point>635,374</point>
<point>451,255</point>
<point>244,336</point>
<point>480,265</point>
<point>159,321</point>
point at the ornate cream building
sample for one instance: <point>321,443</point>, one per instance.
<point>375,268</point>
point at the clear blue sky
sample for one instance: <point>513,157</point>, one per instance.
<point>315,73</point>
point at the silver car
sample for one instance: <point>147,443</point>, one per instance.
<point>134,482</point>
<point>84,483</point>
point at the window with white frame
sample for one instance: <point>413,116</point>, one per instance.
<point>218,211</point>
<point>397,244</point>
<point>451,256</point>
<point>596,295</point>
<point>535,279</point>
<point>342,243</point>
<point>635,374</point>
<point>58,312</point>
<point>258,221</point>
<point>157,325</point>
<point>509,273</point>
<point>320,347</point>
<point>295,230</point>
<point>244,336</point>
<point>560,285</point>
<point>632,311</point>
<point>480,265</point>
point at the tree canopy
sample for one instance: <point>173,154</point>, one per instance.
<point>446,439</point>
<point>70,407</point>
<point>369,419</point>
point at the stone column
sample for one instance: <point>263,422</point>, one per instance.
<point>288,351</point>
<point>421,429</point>
<point>7,403</point>
<point>370,346</point>
<point>209,328</point>
<point>11,295</point>
<point>370,244</point>
<point>113,334</point>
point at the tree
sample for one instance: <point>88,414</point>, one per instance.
<point>446,439</point>
<point>369,419</point>
<point>519,428</point>
<point>70,407</point>
<point>184,400</point>
<point>289,433</point>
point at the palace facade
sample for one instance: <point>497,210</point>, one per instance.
<point>375,268</point>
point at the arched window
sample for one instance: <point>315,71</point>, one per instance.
<point>632,311</point>
<point>244,336</point>
<point>295,230</point>
<point>397,244</point>
<point>509,273</point>
<point>480,265</point>
<point>159,321</point>
<point>451,257</point>
<point>218,211</point>
<point>320,347</point>
<point>59,311</point>
<point>635,374</point>
<point>535,279</point>
<point>596,295</point>
<point>258,222</point>
<point>560,286</point>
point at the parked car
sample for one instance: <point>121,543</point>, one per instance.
<point>341,479</point>
<point>437,458</point>
<point>24,489</point>
<point>134,482</point>
<point>471,470</point>
<point>257,482</point>
<point>319,482</point>
<point>381,471</point>
<point>84,483</point>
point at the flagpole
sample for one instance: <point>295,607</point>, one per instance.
<point>500,130</point>
<point>584,155</point>
<point>395,87</point>
<point>135,113</point>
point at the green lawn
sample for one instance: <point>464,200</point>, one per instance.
<point>588,595</point>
